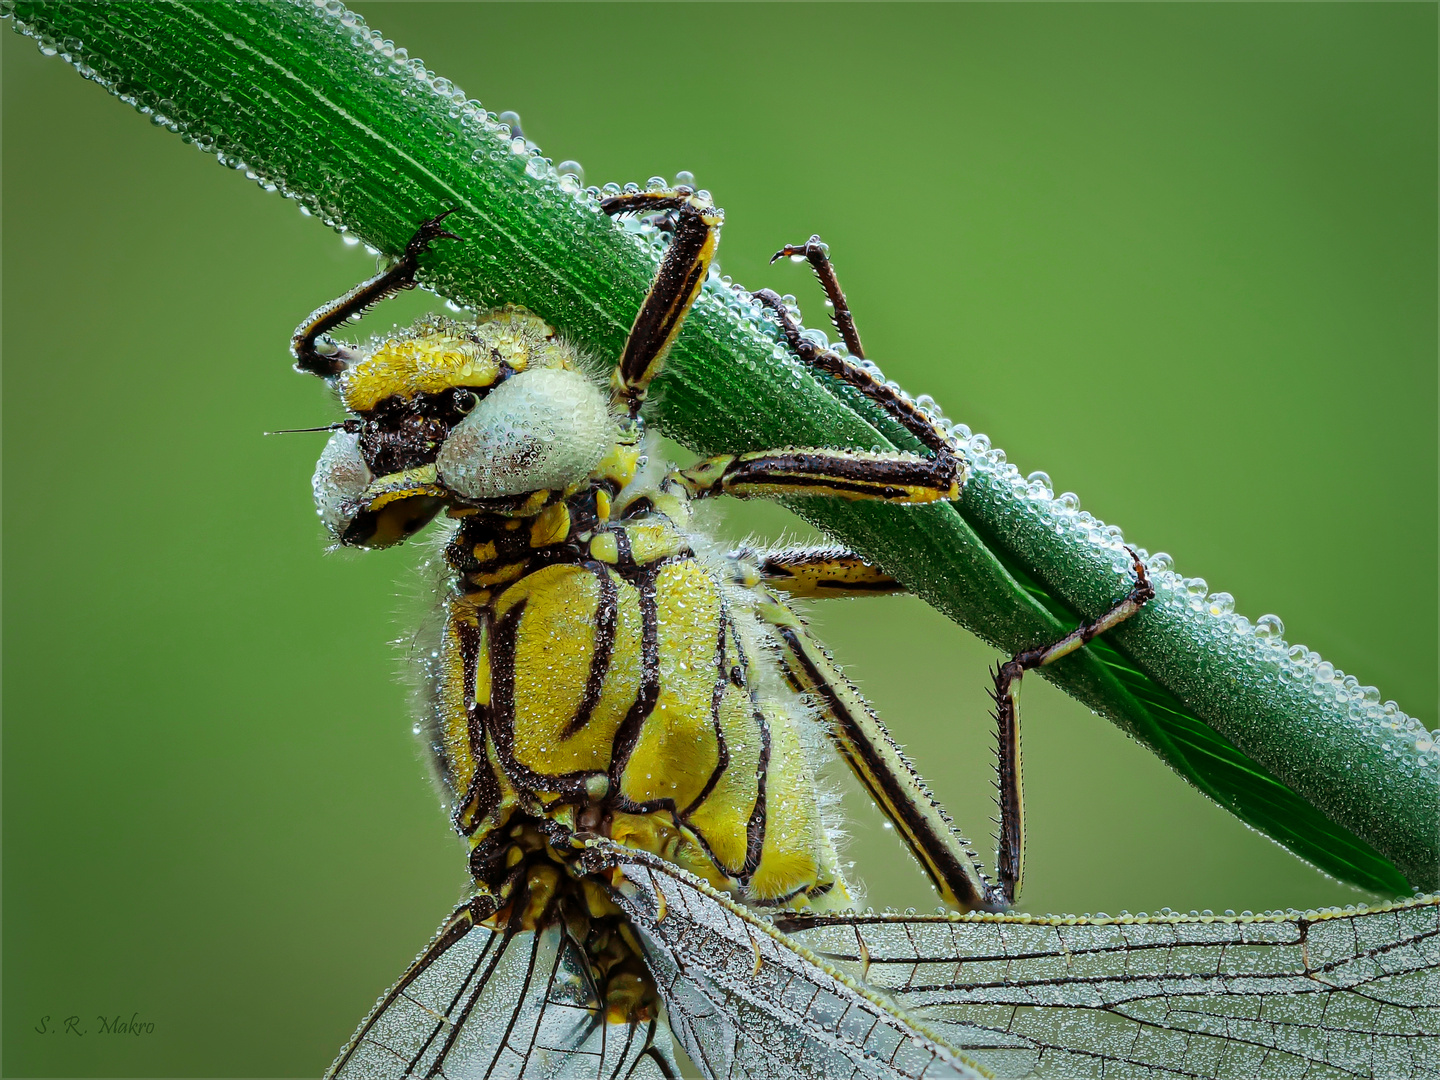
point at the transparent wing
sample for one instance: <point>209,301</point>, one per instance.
<point>500,1003</point>
<point>744,1002</point>
<point>1336,994</point>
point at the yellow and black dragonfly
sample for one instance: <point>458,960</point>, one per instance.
<point>624,723</point>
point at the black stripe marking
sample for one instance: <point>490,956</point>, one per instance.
<point>778,901</point>
<point>628,735</point>
<point>606,614</point>
<point>756,827</point>
<point>643,505</point>
<point>717,694</point>
<point>901,470</point>
<point>482,797</point>
<point>819,890</point>
<point>501,715</point>
<point>625,554</point>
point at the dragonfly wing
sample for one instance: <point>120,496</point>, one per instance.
<point>1331,994</point>
<point>744,1002</point>
<point>501,1003</point>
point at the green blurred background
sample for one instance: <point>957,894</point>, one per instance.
<point>1183,258</point>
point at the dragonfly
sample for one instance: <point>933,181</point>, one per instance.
<point>733,986</point>
<point>619,716</point>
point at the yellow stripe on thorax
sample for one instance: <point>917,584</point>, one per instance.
<point>551,527</point>
<point>648,540</point>
<point>677,751</point>
<point>451,700</point>
<point>797,851</point>
<point>723,819</point>
<point>468,774</point>
<point>555,652</point>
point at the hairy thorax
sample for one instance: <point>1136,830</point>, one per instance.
<point>601,676</point>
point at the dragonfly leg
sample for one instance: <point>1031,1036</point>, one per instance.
<point>879,764</point>
<point>677,283</point>
<point>305,343</point>
<point>891,477</point>
<point>814,572</point>
<point>1010,843</point>
<point>817,255</point>
<point>887,476</point>
<point>906,412</point>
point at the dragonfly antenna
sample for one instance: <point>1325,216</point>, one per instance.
<point>297,430</point>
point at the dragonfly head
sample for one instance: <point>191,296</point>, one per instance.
<point>494,414</point>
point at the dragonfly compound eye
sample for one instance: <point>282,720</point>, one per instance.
<point>539,430</point>
<point>341,475</point>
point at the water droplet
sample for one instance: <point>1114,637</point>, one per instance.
<point>1040,486</point>
<point>1221,604</point>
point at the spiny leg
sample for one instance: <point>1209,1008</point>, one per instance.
<point>355,302</point>
<point>677,283</point>
<point>905,411</point>
<point>813,572</point>
<point>818,256</point>
<point>1010,843</point>
<point>888,477</point>
<point>891,477</point>
<point>879,764</point>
